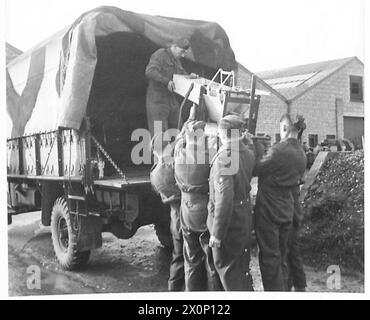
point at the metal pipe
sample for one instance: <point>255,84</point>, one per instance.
<point>179,123</point>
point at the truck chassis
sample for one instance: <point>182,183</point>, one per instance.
<point>57,173</point>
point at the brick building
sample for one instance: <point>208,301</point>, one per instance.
<point>328,94</point>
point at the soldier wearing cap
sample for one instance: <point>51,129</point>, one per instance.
<point>279,173</point>
<point>227,241</point>
<point>161,102</point>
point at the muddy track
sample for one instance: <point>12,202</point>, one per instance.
<point>139,264</point>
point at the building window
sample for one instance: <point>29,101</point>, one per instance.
<point>356,89</point>
<point>313,140</point>
<point>330,136</point>
<point>260,134</point>
<point>277,137</point>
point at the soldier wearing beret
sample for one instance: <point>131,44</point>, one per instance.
<point>229,209</point>
<point>161,102</point>
<point>279,173</point>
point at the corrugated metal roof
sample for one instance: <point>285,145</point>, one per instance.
<point>263,83</point>
<point>292,82</point>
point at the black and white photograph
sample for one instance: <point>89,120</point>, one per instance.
<point>195,149</point>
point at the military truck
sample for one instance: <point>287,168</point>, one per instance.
<point>73,103</point>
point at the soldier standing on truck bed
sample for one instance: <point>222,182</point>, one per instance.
<point>229,222</point>
<point>161,101</point>
<point>279,172</point>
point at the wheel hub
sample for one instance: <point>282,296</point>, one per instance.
<point>63,233</point>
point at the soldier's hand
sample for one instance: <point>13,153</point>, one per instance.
<point>247,137</point>
<point>214,242</point>
<point>171,86</point>
<point>196,125</point>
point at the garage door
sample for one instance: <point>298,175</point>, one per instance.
<point>354,130</point>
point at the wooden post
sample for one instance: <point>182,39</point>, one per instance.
<point>37,151</point>
<point>257,100</point>
<point>88,168</point>
<point>20,155</point>
<point>339,120</point>
<point>60,151</point>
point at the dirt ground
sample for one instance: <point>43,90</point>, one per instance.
<point>139,264</point>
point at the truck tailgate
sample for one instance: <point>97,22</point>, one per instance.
<point>134,177</point>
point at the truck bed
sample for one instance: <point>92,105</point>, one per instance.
<point>134,177</point>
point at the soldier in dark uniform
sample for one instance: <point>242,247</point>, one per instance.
<point>161,101</point>
<point>229,210</point>
<point>296,274</point>
<point>279,172</point>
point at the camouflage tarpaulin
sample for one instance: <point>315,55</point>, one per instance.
<point>49,86</point>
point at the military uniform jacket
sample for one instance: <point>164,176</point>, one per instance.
<point>229,207</point>
<point>191,174</point>
<point>279,172</point>
<point>159,71</point>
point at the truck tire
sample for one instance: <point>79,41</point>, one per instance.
<point>163,232</point>
<point>65,239</point>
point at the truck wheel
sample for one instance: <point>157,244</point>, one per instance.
<point>163,232</point>
<point>65,239</point>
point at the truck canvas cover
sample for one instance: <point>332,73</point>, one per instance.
<point>97,61</point>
